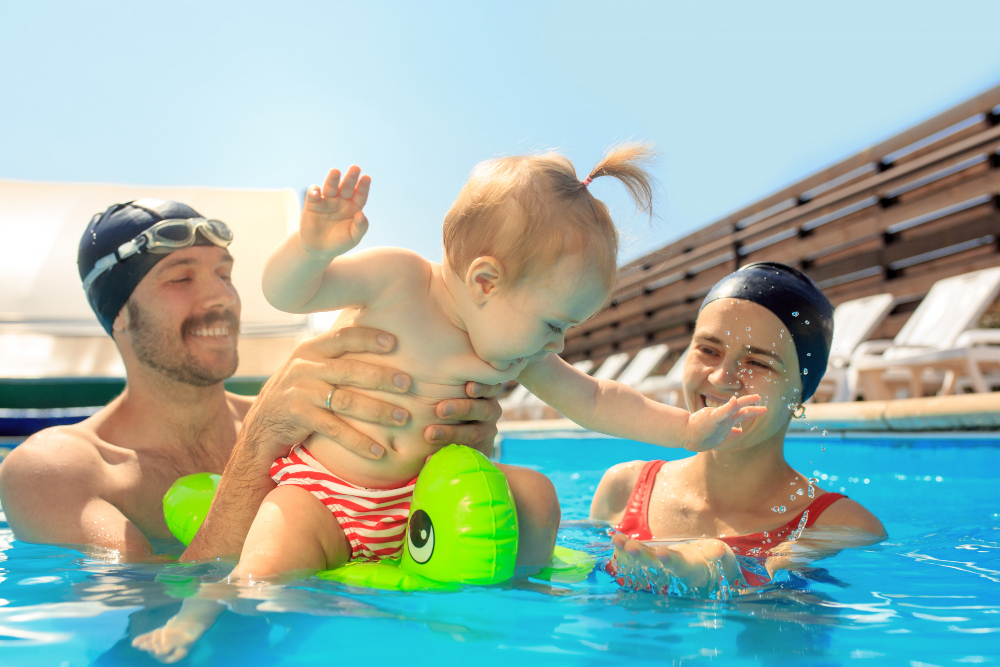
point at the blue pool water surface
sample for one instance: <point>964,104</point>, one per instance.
<point>929,595</point>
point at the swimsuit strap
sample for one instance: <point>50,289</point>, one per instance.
<point>817,507</point>
<point>759,544</point>
<point>635,521</point>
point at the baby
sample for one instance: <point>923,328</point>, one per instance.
<point>529,252</point>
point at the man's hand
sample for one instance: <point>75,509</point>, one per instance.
<point>708,427</point>
<point>332,218</point>
<point>480,413</point>
<point>292,404</point>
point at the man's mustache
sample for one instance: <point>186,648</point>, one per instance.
<point>212,319</point>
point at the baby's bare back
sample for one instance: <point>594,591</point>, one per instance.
<point>440,360</point>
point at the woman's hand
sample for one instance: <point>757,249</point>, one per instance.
<point>704,568</point>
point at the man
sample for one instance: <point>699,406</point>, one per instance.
<point>157,274</point>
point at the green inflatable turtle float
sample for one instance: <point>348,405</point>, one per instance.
<point>462,529</point>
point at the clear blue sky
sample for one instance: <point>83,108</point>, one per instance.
<point>740,97</point>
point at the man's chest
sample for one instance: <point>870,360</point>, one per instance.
<point>137,487</point>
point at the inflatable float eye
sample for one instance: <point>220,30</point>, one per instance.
<point>420,537</point>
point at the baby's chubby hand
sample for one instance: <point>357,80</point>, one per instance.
<point>332,220</point>
<point>708,427</point>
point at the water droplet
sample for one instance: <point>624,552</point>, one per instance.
<point>824,432</point>
<point>748,328</point>
<point>727,333</point>
<point>771,362</point>
<point>765,534</point>
<point>807,321</point>
<point>800,492</point>
<point>791,497</point>
<point>813,428</point>
<point>781,509</point>
<point>809,354</point>
<point>805,371</point>
<point>795,313</point>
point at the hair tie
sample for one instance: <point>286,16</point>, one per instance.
<point>587,181</point>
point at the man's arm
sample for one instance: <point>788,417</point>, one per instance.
<point>292,405</point>
<point>50,489</point>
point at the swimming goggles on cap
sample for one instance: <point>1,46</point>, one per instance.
<point>162,238</point>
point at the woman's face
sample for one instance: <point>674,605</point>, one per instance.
<point>741,348</point>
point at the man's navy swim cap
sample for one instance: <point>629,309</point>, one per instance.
<point>797,302</point>
<point>119,224</point>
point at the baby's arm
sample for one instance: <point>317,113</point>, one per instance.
<point>616,409</point>
<point>301,275</point>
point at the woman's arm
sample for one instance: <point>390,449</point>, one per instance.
<point>616,409</point>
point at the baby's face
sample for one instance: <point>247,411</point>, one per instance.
<point>531,320</point>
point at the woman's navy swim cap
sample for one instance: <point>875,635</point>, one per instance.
<point>797,302</point>
<point>119,224</point>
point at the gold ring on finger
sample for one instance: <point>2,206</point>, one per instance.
<point>329,397</point>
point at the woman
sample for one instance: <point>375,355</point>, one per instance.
<point>765,329</point>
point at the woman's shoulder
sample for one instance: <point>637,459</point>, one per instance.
<point>614,490</point>
<point>847,512</point>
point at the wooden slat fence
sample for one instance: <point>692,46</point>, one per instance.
<point>896,217</point>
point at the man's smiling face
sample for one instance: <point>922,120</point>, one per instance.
<point>183,318</point>
<point>741,348</point>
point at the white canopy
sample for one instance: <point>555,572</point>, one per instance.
<point>46,326</point>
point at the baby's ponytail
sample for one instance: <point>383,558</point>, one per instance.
<point>627,162</point>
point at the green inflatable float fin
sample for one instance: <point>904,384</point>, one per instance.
<point>186,503</point>
<point>568,567</point>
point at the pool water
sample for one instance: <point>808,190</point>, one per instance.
<point>930,594</point>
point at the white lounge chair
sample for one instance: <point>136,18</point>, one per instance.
<point>937,337</point>
<point>643,363</point>
<point>853,322</point>
<point>666,388</point>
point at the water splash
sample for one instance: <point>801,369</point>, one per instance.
<point>797,533</point>
<point>812,488</point>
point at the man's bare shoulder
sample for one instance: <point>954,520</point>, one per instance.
<point>55,454</point>
<point>49,475</point>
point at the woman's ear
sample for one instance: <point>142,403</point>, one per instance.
<point>483,279</point>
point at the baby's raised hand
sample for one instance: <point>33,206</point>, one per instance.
<point>708,427</point>
<point>332,219</point>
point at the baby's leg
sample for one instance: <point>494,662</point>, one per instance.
<point>538,515</point>
<point>293,534</point>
